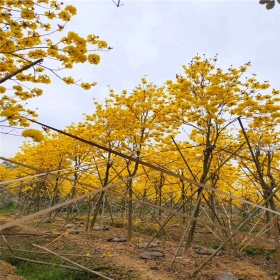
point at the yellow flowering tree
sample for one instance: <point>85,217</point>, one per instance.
<point>48,155</point>
<point>209,101</point>
<point>259,160</point>
<point>30,55</point>
<point>100,127</point>
<point>69,157</point>
<point>137,120</point>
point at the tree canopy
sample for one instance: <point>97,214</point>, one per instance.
<point>30,57</point>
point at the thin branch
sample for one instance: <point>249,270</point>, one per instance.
<point>118,4</point>
<point>20,70</point>
<point>76,264</point>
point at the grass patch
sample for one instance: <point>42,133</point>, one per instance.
<point>8,207</point>
<point>253,251</point>
<point>31,271</point>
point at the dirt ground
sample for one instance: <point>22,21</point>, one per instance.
<point>121,260</point>
<point>8,272</point>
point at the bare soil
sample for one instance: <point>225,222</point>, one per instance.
<point>122,261</point>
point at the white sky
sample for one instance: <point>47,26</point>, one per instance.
<point>156,38</point>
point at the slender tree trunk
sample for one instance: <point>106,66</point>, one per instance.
<point>96,211</point>
<point>74,191</point>
<point>183,197</point>
<point>110,211</point>
<point>103,210</point>
<point>192,224</point>
<point>130,212</point>
<point>130,203</point>
<point>55,191</point>
<point>206,166</point>
<point>160,202</point>
<point>144,198</point>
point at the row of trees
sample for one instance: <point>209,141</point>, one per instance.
<point>231,123</point>
<point>30,56</point>
<point>232,140</point>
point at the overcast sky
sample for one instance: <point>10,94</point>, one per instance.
<point>155,38</point>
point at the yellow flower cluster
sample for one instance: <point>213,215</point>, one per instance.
<point>24,40</point>
<point>208,93</point>
<point>36,135</point>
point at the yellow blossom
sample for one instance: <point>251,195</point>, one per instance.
<point>68,80</point>
<point>36,135</point>
<point>93,58</point>
<point>102,44</point>
<point>86,86</point>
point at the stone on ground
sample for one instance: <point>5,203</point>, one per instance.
<point>225,276</point>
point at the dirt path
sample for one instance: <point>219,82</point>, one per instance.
<point>143,269</point>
